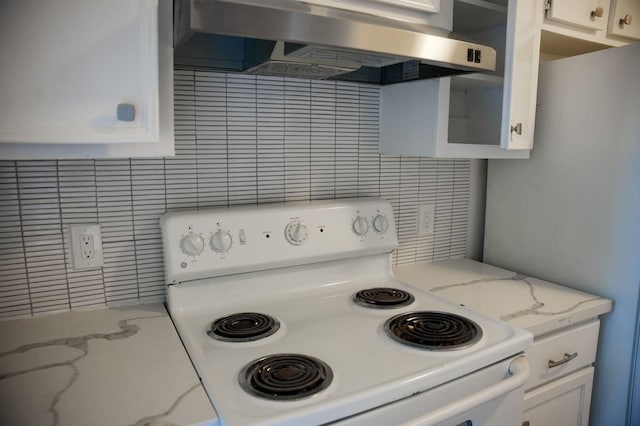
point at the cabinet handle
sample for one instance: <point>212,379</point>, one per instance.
<point>625,20</point>
<point>566,359</point>
<point>598,13</point>
<point>526,423</point>
<point>517,129</point>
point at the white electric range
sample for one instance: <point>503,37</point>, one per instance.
<point>292,316</point>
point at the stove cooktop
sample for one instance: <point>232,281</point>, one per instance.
<point>320,320</point>
<point>312,286</point>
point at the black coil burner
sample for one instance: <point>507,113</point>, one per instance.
<point>285,377</point>
<point>433,330</point>
<point>243,327</point>
<point>383,298</point>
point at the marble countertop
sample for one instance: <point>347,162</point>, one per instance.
<point>122,366</point>
<point>535,305</point>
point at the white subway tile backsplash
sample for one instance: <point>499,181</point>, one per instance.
<point>240,139</point>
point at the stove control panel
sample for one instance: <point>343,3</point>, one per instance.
<point>221,241</point>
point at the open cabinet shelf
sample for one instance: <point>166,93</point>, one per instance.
<point>479,115</point>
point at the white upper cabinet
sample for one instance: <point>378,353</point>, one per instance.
<point>624,19</point>
<point>480,115</point>
<point>589,14</point>
<point>575,27</point>
<point>85,78</point>
<point>521,74</point>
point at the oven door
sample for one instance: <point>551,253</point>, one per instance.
<point>491,396</point>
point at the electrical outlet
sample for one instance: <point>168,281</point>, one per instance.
<point>426,218</point>
<point>88,251</point>
<point>86,246</point>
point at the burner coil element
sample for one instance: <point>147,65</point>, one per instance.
<point>285,377</point>
<point>433,330</point>
<point>383,298</point>
<point>243,327</point>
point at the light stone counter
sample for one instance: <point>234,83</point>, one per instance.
<point>123,366</point>
<point>529,303</point>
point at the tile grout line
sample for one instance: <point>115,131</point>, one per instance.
<point>257,186</point>
<point>133,229</point>
<point>226,129</point>
<point>24,249</point>
<point>62,234</point>
<point>97,216</point>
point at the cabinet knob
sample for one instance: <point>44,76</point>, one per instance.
<point>126,112</point>
<point>517,129</point>
<point>626,20</point>
<point>598,13</point>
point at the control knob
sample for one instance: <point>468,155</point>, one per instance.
<point>360,226</point>
<point>296,232</point>
<point>380,223</point>
<point>221,241</point>
<point>192,244</point>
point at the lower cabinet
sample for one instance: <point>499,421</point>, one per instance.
<point>558,391</point>
<point>564,401</point>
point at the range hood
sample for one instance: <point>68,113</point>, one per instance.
<point>293,38</point>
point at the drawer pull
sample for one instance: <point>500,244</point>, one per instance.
<point>566,359</point>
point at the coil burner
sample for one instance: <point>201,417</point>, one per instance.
<point>433,330</point>
<point>285,377</point>
<point>383,298</point>
<point>243,327</point>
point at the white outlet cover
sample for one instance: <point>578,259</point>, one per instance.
<point>76,233</point>
<point>426,219</point>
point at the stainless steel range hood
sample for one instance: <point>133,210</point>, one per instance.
<point>288,37</point>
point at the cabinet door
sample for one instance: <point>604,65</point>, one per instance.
<point>624,18</point>
<point>563,402</point>
<point>75,71</point>
<point>589,14</point>
<point>522,53</point>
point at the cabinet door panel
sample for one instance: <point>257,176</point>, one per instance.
<point>624,18</point>
<point>563,402</point>
<point>67,64</point>
<point>581,13</point>
<point>522,53</point>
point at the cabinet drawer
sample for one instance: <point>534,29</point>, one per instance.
<point>561,353</point>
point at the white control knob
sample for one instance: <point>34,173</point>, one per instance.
<point>360,226</point>
<point>221,241</point>
<point>380,223</point>
<point>296,232</point>
<point>192,244</point>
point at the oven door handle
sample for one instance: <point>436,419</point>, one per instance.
<point>519,370</point>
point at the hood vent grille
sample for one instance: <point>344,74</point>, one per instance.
<point>298,69</point>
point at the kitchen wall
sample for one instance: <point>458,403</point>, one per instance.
<point>240,140</point>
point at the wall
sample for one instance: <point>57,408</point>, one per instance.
<point>239,140</point>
